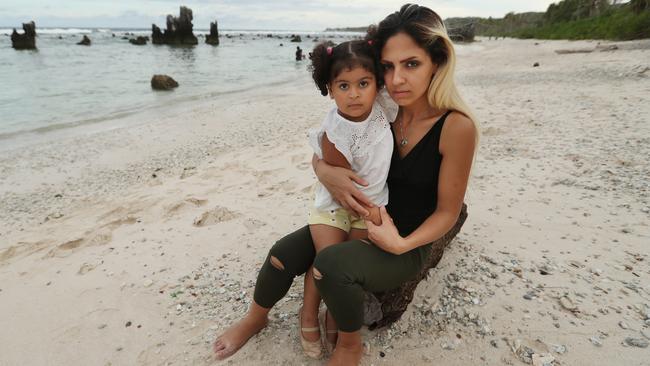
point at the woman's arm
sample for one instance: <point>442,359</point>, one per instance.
<point>457,144</point>
<point>340,183</point>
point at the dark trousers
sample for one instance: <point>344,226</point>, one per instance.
<point>348,269</point>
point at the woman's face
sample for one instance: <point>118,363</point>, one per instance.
<point>408,69</point>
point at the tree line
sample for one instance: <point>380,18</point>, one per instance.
<point>570,19</point>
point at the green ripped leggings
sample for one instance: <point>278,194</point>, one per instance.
<point>347,270</point>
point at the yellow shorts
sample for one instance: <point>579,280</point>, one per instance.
<point>339,218</point>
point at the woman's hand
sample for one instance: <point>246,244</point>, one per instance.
<point>340,183</point>
<point>386,236</point>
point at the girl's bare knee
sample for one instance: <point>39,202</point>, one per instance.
<point>275,262</point>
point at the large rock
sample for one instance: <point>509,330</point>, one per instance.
<point>140,41</point>
<point>178,32</point>
<point>213,37</point>
<point>85,41</point>
<point>295,38</point>
<point>27,40</point>
<point>463,34</point>
<point>163,82</point>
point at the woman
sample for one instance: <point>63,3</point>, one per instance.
<point>435,138</point>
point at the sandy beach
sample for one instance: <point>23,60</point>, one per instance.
<point>138,245</point>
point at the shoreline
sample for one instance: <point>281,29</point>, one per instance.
<point>132,268</point>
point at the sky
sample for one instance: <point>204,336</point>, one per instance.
<point>240,14</point>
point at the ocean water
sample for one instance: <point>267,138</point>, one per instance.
<point>63,85</point>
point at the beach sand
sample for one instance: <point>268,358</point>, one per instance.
<point>138,245</point>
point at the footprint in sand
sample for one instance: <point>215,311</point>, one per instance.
<point>21,248</point>
<point>215,216</point>
<point>177,207</point>
<point>94,239</point>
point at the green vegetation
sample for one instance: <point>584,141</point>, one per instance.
<point>570,19</point>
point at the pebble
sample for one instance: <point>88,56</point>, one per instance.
<point>545,359</point>
<point>568,304</point>
<point>148,282</point>
<point>530,295</point>
<point>596,341</point>
<point>128,324</point>
<point>559,349</point>
<point>646,333</point>
<point>636,342</point>
<point>101,326</point>
<point>623,325</point>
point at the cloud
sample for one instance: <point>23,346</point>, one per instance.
<point>251,14</point>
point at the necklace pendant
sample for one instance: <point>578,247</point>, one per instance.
<point>404,142</point>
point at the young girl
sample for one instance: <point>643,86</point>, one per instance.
<point>355,135</point>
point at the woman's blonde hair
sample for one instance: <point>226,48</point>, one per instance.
<point>428,30</point>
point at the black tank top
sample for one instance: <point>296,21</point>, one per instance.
<point>413,180</point>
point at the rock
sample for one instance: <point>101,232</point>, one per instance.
<point>296,38</point>
<point>536,64</point>
<point>646,333</point>
<point>623,325</point>
<point>213,37</point>
<point>163,82</point>
<point>636,342</point>
<point>27,40</point>
<point>85,41</point>
<point>179,30</point>
<point>559,349</point>
<point>148,282</point>
<point>140,41</point>
<point>545,359</point>
<point>463,34</point>
<point>128,324</point>
<point>596,341</point>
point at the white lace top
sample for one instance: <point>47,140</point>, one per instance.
<point>366,145</point>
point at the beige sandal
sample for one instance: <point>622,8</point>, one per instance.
<point>312,349</point>
<point>329,346</point>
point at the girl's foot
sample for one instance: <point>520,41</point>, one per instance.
<point>309,337</point>
<point>330,330</point>
<point>237,335</point>
<point>310,322</point>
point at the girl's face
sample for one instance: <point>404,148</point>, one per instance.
<point>408,69</point>
<point>354,91</point>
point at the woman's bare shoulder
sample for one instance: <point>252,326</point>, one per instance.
<point>459,129</point>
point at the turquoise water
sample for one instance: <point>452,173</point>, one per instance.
<point>63,85</point>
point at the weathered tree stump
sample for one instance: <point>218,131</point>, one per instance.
<point>27,40</point>
<point>213,37</point>
<point>389,306</point>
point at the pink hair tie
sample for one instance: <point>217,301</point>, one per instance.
<point>329,51</point>
<point>370,42</point>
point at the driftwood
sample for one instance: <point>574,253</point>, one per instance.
<point>579,50</point>
<point>389,306</point>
